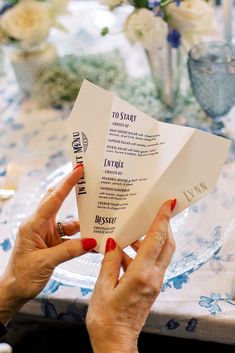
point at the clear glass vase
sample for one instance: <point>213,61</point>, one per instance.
<point>29,63</point>
<point>168,70</point>
<point>175,100</point>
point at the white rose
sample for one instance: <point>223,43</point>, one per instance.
<point>144,27</point>
<point>195,20</point>
<point>60,6</point>
<point>28,21</point>
<point>111,3</point>
<point>3,37</point>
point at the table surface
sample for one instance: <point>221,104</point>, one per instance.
<point>195,304</point>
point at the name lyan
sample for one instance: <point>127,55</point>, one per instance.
<point>195,191</point>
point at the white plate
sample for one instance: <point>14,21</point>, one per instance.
<point>198,231</point>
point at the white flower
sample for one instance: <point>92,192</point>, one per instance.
<point>3,37</point>
<point>111,3</point>
<point>60,6</point>
<point>195,20</point>
<point>144,27</point>
<point>28,21</point>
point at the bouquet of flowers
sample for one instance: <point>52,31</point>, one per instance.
<point>152,22</point>
<point>60,82</point>
<point>28,22</point>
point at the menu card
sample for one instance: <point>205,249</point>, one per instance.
<point>133,163</point>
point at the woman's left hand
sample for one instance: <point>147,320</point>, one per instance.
<point>39,249</point>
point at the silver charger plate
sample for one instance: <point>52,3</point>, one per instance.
<point>199,231</point>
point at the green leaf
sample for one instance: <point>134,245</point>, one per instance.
<point>140,3</point>
<point>11,2</point>
<point>104,31</point>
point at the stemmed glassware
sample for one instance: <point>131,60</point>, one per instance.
<point>211,69</point>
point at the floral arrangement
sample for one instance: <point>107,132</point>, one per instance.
<point>61,80</point>
<point>152,22</point>
<point>28,22</point>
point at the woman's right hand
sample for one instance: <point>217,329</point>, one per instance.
<point>119,306</point>
<point>39,248</point>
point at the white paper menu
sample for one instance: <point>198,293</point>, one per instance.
<point>133,163</point>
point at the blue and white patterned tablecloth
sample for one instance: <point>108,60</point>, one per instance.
<point>193,305</point>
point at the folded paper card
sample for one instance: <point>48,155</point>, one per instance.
<point>134,163</point>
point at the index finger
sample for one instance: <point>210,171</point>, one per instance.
<point>52,202</point>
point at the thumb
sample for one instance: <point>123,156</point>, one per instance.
<point>111,264</point>
<point>70,249</point>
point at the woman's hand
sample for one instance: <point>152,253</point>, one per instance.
<point>119,307</point>
<point>39,249</point>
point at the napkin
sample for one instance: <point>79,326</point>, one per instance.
<point>133,163</point>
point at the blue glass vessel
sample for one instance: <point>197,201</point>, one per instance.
<point>211,69</point>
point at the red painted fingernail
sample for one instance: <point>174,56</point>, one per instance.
<point>79,165</point>
<point>173,203</point>
<point>110,245</point>
<point>88,243</point>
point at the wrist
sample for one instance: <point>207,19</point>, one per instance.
<point>113,342</point>
<point>114,347</point>
<point>9,303</point>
